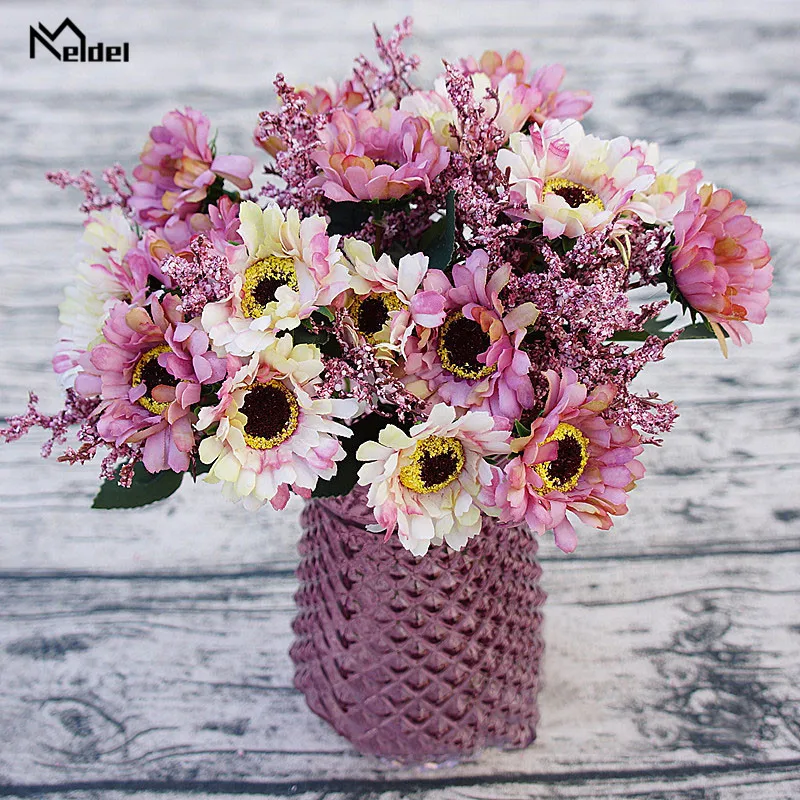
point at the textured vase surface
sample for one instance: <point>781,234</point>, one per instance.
<point>417,659</point>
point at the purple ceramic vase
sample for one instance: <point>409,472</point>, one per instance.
<point>417,659</point>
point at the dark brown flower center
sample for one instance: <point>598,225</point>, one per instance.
<point>372,315</point>
<point>437,469</point>
<point>461,341</point>
<point>262,279</point>
<point>575,194</point>
<point>265,290</point>
<point>435,463</point>
<point>272,413</point>
<point>153,374</point>
<point>562,473</point>
<point>568,461</point>
<point>150,373</point>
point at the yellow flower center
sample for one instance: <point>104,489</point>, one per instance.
<point>461,341</point>
<point>262,280</point>
<point>435,463</point>
<point>371,312</point>
<point>149,372</point>
<point>272,413</point>
<point>562,473</point>
<point>575,194</point>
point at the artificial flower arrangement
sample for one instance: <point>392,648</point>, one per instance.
<point>431,295</point>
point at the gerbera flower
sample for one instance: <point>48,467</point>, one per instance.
<point>573,460</point>
<point>473,360</point>
<point>545,82</point>
<point>675,180</point>
<point>572,182</point>
<point>377,155</point>
<point>148,374</point>
<point>178,167</point>
<point>509,102</point>
<point>427,484</point>
<point>436,108</point>
<point>272,433</point>
<point>721,263</point>
<point>286,269</point>
<point>387,303</point>
<point>513,105</point>
<point>104,274</point>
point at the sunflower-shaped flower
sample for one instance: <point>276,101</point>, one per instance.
<point>474,360</point>
<point>272,433</point>
<point>389,299</point>
<point>377,155</point>
<point>286,269</point>
<point>674,182</point>
<point>429,484</point>
<point>572,182</point>
<point>104,275</point>
<point>148,374</point>
<point>573,460</point>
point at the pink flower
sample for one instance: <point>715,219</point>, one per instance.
<point>556,104</point>
<point>548,102</point>
<point>474,359</point>
<point>574,460</point>
<point>273,434</point>
<point>321,99</point>
<point>496,67</point>
<point>387,299</point>
<point>721,262</point>
<point>431,484</point>
<point>178,167</point>
<point>148,374</point>
<point>572,182</point>
<point>377,155</point>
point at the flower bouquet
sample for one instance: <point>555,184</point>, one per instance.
<point>425,322</point>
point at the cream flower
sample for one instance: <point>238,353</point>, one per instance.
<point>388,302</point>
<point>286,269</point>
<point>675,181</point>
<point>273,434</point>
<point>431,484</point>
<point>101,278</point>
<point>573,182</point>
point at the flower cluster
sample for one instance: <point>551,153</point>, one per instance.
<point>430,296</point>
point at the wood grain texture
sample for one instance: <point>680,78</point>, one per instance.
<point>145,653</point>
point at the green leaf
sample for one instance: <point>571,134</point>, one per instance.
<point>302,335</point>
<point>700,330</point>
<point>146,488</point>
<point>521,429</point>
<point>439,241</point>
<point>364,430</point>
<point>658,327</point>
<point>347,218</point>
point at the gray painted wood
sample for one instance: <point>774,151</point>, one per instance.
<point>145,653</point>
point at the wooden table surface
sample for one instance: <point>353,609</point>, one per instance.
<point>144,654</point>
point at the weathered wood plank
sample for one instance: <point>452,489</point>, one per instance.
<point>734,784</point>
<point>672,644</point>
<point>651,665</point>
